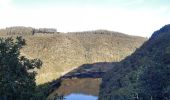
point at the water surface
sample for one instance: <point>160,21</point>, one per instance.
<point>75,96</point>
<point>78,89</point>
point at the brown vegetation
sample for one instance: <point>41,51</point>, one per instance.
<point>61,53</point>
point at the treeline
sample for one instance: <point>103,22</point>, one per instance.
<point>106,32</point>
<point>45,30</point>
<point>145,75</point>
<point>21,30</point>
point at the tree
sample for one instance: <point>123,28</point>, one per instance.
<point>155,82</point>
<point>17,77</point>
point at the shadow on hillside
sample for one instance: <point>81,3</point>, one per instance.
<point>95,71</point>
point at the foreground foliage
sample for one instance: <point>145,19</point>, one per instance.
<point>17,77</point>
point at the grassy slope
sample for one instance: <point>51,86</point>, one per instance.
<point>61,53</point>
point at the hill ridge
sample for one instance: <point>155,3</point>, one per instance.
<point>118,82</point>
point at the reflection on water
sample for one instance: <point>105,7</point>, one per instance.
<point>74,96</point>
<point>76,89</point>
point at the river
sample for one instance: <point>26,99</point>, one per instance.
<point>77,89</point>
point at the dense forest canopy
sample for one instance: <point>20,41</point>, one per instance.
<point>145,75</point>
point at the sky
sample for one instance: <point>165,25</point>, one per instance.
<point>133,17</point>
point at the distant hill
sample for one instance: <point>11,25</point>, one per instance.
<point>62,53</point>
<point>144,74</point>
<point>25,31</point>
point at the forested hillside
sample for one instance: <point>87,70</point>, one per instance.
<point>145,75</point>
<point>25,31</point>
<point>61,53</point>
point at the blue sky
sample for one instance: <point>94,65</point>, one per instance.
<point>134,17</point>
